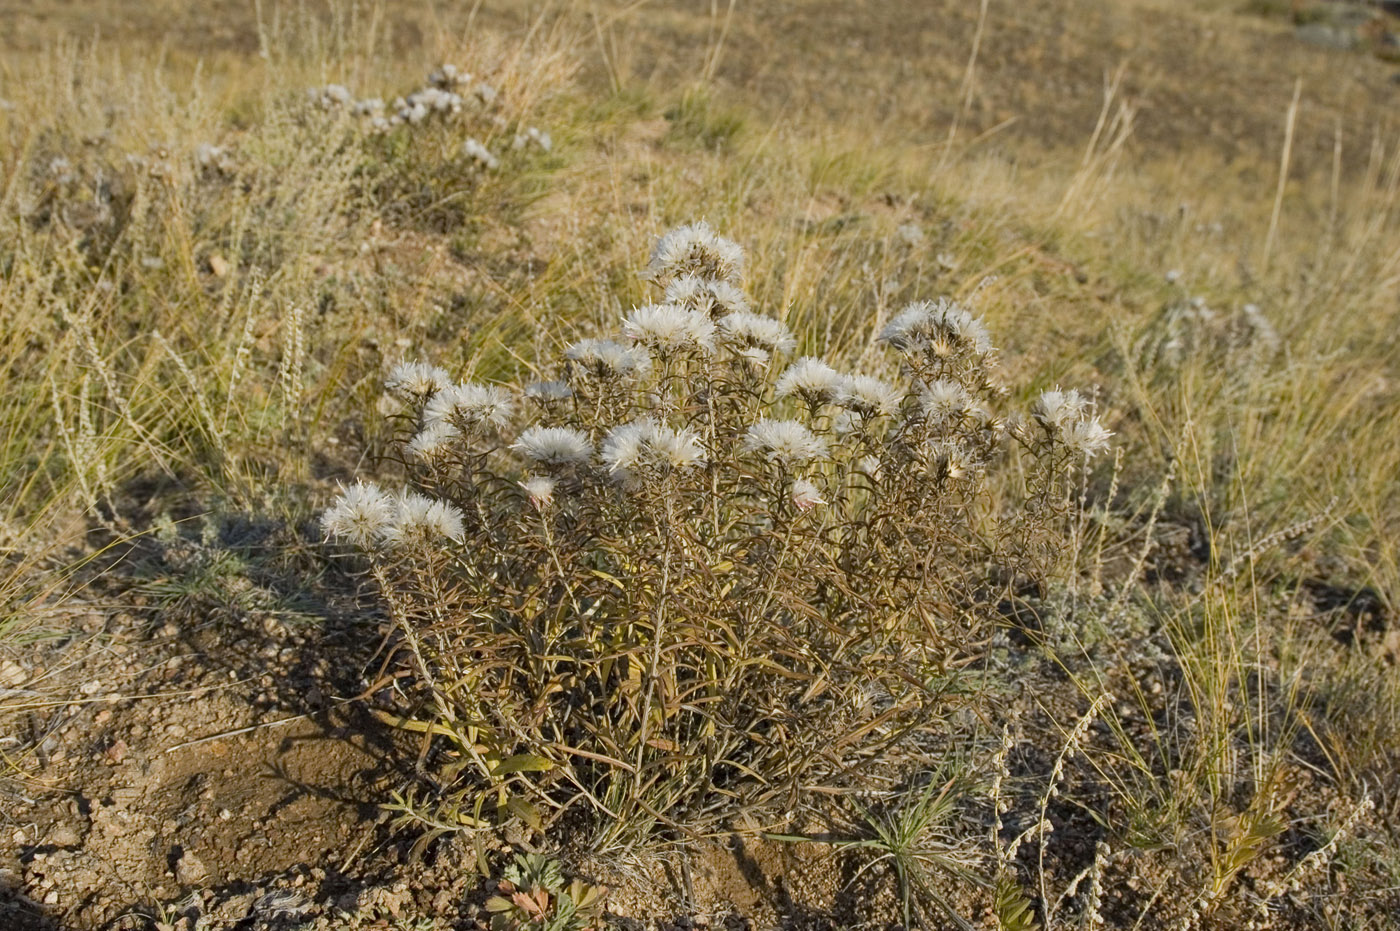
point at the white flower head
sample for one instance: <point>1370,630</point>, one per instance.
<point>1056,410</point>
<point>810,379</point>
<point>938,327</point>
<point>546,392</point>
<point>745,330</point>
<point>433,440</point>
<point>474,150</point>
<point>555,446</point>
<point>605,358</point>
<point>755,357</point>
<point>470,405</point>
<point>360,515</point>
<point>942,400</point>
<point>805,495</point>
<point>696,250</point>
<point>868,396</point>
<point>645,447</point>
<point>540,490</point>
<point>448,77</point>
<point>667,329</point>
<point>1087,437</point>
<point>541,138</point>
<point>785,441</point>
<point>945,459</point>
<point>420,519</point>
<point>712,297</point>
<point>417,381</point>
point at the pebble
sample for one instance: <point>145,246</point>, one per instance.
<point>65,835</point>
<point>189,870</point>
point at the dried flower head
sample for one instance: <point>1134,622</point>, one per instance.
<point>785,441</point>
<point>477,152</point>
<point>805,495</point>
<point>711,297</point>
<point>419,519</point>
<point>540,490</point>
<point>1086,437</point>
<point>696,250</point>
<point>868,396</point>
<point>449,77</point>
<point>546,392</point>
<point>645,447</point>
<point>754,331</point>
<point>667,329</point>
<point>605,358</point>
<point>433,440</point>
<point>417,381</point>
<point>938,328</point>
<point>1056,409</point>
<point>555,446</point>
<point>468,406</point>
<point>945,459</point>
<point>810,379</point>
<point>360,515</point>
<point>942,400</point>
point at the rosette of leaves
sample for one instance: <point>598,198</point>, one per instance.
<point>532,896</point>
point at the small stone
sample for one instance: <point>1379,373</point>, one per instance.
<point>64,835</point>
<point>218,265</point>
<point>11,674</point>
<point>189,870</point>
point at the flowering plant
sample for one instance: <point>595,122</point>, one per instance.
<point>685,582</point>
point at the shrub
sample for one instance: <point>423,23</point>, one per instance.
<point>682,585</point>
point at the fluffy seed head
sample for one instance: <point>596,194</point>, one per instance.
<point>605,358</point>
<point>420,519</point>
<point>470,405</point>
<point>944,459</point>
<point>785,441</point>
<point>746,330</point>
<point>477,152</point>
<point>417,381</point>
<point>805,495</point>
<point>943,400</point>
<point>548,391</point>
<point>696,250</point>
<point>1055,410</point>
<point>868,396</point>
<point>668,329</point>
<point>433,440</point>
<point>645,447</point>
<point>810,379</point>
<point>1087,437</point>
<point>713,298</point>
<point>540,490</point>
<point>938,327</point>
<point>360,515</point>
<point>555,446</point>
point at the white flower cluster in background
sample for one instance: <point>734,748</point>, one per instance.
<point>448,94</point>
